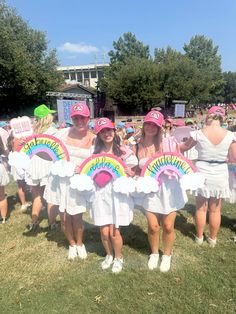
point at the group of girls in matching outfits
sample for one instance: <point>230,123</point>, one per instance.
<point>212,143</point>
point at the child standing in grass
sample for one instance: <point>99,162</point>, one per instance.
<point>102,208</point>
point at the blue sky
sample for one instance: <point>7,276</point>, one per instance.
<point>83,31</point>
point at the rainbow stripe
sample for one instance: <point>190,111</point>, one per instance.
<point>103,162</point>
<point>167,161</point>
<point>43,143</point>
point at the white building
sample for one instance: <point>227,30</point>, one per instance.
<point>86,75</point>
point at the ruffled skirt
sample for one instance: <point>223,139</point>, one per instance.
<point>217,180</point>
<point>109,207</point>
<point>4,177</point>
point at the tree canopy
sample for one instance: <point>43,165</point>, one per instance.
<point>27,68</point>
<point>135,81</point>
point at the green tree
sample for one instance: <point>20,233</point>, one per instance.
<point>126,47</point>
<point>204,54</point>
<point>229,87</point>
<point>27,68</point>
<point>125,80</point>
<point>179,77</point>
<point>134,87</point>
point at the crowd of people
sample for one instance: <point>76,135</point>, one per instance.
<point>134,144</point>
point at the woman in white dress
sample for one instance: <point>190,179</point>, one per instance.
<point>79,143</point>
<point>212,143</point>
<point>37,174</point>
<point>162,205</point>
<point>104,210</point>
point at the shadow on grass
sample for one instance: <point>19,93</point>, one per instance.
<point>11,202</point>
<point>91,237</point>
<point>227,222</point>
<point>182,222</point>
<point>135,238</point>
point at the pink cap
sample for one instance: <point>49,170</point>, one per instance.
<point>155,117</point>
<point>216,110</point>
<point>103,123</point>
<point>79,109</point>
<point>179,122</point>
<point>168,120</point>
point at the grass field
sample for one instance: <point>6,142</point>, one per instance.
<point>36,276</point>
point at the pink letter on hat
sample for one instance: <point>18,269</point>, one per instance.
<point>155,117</point>
<point>216,110</point>
<point>79,109</point>
<point>103,123</point>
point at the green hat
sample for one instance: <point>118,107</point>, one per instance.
<point>189,121</point>
<point>42,111</point>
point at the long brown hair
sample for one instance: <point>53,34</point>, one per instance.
<point>157,138</point>
<point>99,145</point>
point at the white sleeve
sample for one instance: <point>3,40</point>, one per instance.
<point>131,161</point>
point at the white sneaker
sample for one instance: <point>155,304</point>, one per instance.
<point>199,241</point>
<point>72,254</point>
<point>25,206</point>
<point>153,261</point>
<point>165,263</point>
<point>81,251</point>
<point>211,242</point>
<point>107,262</point>
<point>117,265</point>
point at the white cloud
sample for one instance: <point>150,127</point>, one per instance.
<point>63,168</point>
<point>124,185</point>
<point>78,48</point>
<point>81,182</point>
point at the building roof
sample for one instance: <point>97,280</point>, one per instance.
<point>83,67</point>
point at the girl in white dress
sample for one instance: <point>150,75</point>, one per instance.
<point>37,174</point>
<point>79,142</point>
<point>103,209</point>
<point>163,204</point>
<point>212,143</point>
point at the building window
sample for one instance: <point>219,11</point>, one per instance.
<point>93,74</point>
<point>86,75</point>
<point>79,77</point>
<point>72,76</point>
<point>66,76</point>
<point>100,74</point>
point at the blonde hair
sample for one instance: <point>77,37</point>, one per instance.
<point>213,117</point>
<point>43,124</point>
<point>122,134</point>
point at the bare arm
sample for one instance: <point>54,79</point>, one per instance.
<point>187,145</point>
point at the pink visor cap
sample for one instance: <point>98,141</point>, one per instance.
<point>103,123</point>
<point>154,117</point>
<point>216,110</point>
<point>79,110</point>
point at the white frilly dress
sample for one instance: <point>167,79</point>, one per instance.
<point>39,169</point>
<point>109,207</point>
<point>212,163</point>
<point>169,198</point>
<point>4,177</point>
<point>58,190</point>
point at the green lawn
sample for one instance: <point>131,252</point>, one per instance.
<point>36,276</point>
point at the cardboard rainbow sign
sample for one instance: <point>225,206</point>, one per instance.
<point>98,163</point>
<point>167,162</point>
<point>47,144</point>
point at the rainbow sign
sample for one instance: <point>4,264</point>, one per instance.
<point>103,163</point>
<point>47,144</point>
<point>167,161</point>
